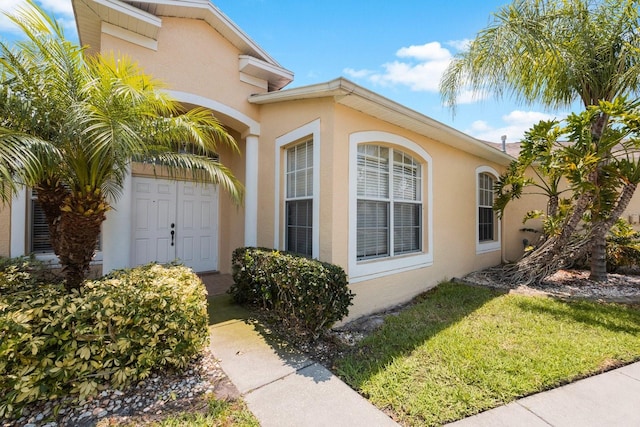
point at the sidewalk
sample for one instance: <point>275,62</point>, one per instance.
<point>610,399</point>
<point>282,387</point>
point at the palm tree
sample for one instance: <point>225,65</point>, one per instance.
<point>70,127</point>
<point>557,52</point>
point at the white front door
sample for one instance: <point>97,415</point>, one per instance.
<point>197,226</point>
<point>175,220</point>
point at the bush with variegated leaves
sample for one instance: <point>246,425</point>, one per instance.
<point>112,332</point>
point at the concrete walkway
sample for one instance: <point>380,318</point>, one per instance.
<point>611,399</point>
<point>282,387</point>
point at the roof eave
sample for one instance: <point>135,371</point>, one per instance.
<point>344,91</point>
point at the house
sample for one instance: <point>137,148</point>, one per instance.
<point>332,170</point>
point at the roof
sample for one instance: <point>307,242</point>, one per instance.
<point>142,21</point>
<point>512,148</point>
<point>347,93</point>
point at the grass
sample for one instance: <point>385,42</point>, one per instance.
<point>219,413</point>
<point>461,350</point>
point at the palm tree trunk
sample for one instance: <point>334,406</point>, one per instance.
<point>77,248</point>
<point>79,226</point>
<point>51,195</point>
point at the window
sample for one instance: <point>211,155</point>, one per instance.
<point>389,205</point>
<point>486,217</point>
<point>299,198</point>
<point>488,230</point>
<point>297,190</point>
<point>39,242</point>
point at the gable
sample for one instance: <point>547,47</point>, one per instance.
<point>140,23</point>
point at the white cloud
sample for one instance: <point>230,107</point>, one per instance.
<point>514,125</point>
<point>427,52</point>
<point>424,76</point>
<point>357,74</point>
<point>459,44</point>
<point>420,70</point>
<point>8,6</point>
<point>419,67</point>
<point>469,97</point>
<point>60,9</point>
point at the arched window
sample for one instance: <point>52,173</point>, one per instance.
<point>488,230</point>
<point>390,205</point>
<point>389,192</point>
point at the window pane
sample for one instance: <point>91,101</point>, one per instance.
<point>406,227</point>
<point>372,229</point>
<point>486,215</point>
<point>373,171</point>
<point>486,224</point>
<point>40,242</point>
<point>299,211</point>
<point>406,177</point>
<point>299,175</point>
<point>299,226</point>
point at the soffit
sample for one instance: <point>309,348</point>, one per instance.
<point>91,13</point>
<point>360,99</point>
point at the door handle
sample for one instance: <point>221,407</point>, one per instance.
<point>173,233</point>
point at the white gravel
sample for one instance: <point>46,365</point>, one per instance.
<point>574,284</point>
<point>149,399</point>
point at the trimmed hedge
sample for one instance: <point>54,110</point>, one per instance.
<point>306,295</point>
<point>112,332</point>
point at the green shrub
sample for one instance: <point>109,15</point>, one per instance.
<point>623,246</point>
<point>112,332</point>
<point>23,273</point>
<point>306,295</point>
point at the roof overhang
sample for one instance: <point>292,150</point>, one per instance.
<point>347,93</point>
<point>143,19</point>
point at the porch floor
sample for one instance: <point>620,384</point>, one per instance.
<point>216,283</point>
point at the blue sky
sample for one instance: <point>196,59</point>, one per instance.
<point>396,48</point>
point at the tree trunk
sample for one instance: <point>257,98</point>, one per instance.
<point>555,253</point>
<point>598,239</point>
<point>79,227</point>
<point>51,195</point>
<point>552,205</point>
<point>598,260</point>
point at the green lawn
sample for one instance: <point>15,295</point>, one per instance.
<point>462,350</point>
<point>220,413</point>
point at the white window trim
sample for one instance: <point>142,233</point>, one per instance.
<point>20,230</point>
<point>370,269</point>
<point>495,245</point>
<point>309,130</point>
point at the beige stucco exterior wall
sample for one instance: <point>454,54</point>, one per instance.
<point>454,201</point>
<point>276,121</point>
<point>231,230</point>
<point>454,216</point>
<point>192,57</point>
<point>632,213</point>
<point>5,230</point>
